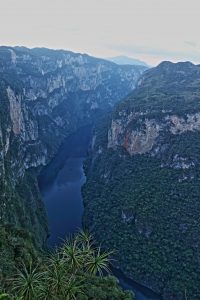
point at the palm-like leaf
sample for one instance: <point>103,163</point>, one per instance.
<point>55,275</point>
<point>72,255</point>
<point>73,288</point>
<point>27,282</point>
<point>98,263</point>
<point>85,239</point>
<point>62,274</point>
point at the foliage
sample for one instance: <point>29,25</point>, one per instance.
<point>16,244</point>
<point>73,271</point>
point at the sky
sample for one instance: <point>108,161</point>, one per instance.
<point>150,30</point>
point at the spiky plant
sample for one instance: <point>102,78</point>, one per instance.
<point>61,279</point>
<point>27,282</point>
<point>74,288</point>
<point>85,240</point>
<point>55,276</point>
<point>72,255</point>
<point>64,273</point>
<point>98,262</point>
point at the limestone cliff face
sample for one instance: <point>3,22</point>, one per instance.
<point>45,95</point>
<point>146,136</point>
<point>144,178</point>
<point>16,115</point>
<point>134,141</point>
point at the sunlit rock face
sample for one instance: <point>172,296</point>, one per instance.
<point>45,95</point>
<point>134,141</point>
<point>144,138</point>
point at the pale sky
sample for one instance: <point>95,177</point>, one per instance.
<point>150,30</point>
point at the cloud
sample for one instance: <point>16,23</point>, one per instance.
<point>152,30</point>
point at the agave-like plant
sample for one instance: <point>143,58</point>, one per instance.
<point>62,274</point>
<point>73,288</point>
<point>27,282</point>
<point>72,255</point>
<point>85,240</point>
<point>98,262</point>
<point>55,276</point>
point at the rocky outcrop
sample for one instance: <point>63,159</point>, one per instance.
<point>134,141</point>
<point>179,125</point>
<point>15,111</point>
<point>145,137</point>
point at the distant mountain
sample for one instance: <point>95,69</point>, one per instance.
<point>125,60</point>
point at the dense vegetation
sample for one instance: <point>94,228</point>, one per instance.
<point>16,244</point>
<point>74,271</point>
<point>149,204</point>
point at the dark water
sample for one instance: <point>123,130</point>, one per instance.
<point>63,201</point>
<point>141,292</point>
<point>60,184</point>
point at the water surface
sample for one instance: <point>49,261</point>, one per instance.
<point>63,201</point>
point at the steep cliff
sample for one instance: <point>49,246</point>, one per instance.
<point>45,95</point>
<point>142,193</point>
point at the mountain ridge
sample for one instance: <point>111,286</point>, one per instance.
<point>125,60</point>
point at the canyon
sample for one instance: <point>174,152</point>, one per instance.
<point>141,196</point>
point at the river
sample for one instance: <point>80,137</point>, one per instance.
<point>60,184</point>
